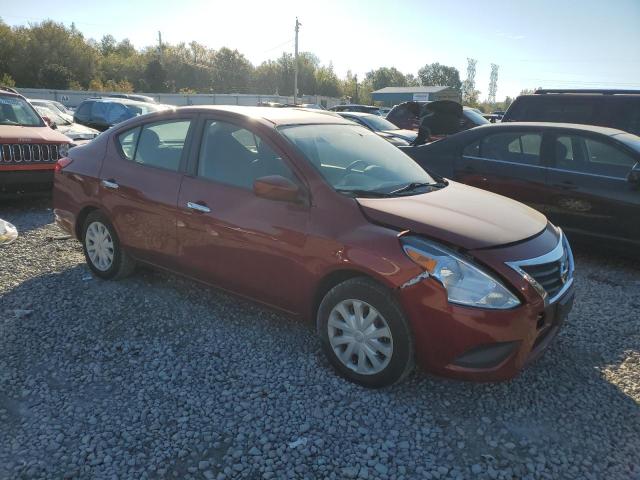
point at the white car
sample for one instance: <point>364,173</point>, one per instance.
<point>57,107</point>
<point>8,233</point>
<point>74,131</point>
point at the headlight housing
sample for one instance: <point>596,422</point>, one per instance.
<point>63,150</point>
<point>466,283</point>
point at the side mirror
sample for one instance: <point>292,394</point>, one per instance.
<point>49,122</point>
<point>276,187</point>
<point>634,175</point>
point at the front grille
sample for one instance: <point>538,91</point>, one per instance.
<point>28,153</point>
<point>551,276</point>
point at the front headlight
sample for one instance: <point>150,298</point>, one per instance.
<point>63,150</point>
<point>466,284</point>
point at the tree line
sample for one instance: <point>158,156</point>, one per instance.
<point>51,55</point>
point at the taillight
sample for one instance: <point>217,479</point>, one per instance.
<point>60,164</point>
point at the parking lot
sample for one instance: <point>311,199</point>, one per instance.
<point>159,377</point>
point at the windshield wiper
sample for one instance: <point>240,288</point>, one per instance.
<point>363,193</point>
<point>415,185</point>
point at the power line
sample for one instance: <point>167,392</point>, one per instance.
<point>291,40</point>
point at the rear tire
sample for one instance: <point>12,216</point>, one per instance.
<point>365,334</point>
<point>102,250</point>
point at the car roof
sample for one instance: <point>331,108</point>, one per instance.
<point>9,93</point>
<point>358,114</point>
<point>355,105</point>
<point>126,101</point>
<point>591,95</point>
<point>276,116</point>
<point>610,132</point>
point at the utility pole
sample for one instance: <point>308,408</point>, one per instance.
<point>159,46</point>
<point>295,67</point>
<point>355,100</point>
<point>493,83</point>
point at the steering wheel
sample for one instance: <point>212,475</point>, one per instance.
<point>353,164</point>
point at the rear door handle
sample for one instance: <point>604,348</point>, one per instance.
<point>111,183</point>
<point>198,207</point>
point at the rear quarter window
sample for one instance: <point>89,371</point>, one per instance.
<point>128,142</point>
<point>624,114</point>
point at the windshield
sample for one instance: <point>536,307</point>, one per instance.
<point>350,157</point>
<point>378,124</point>
<point>61,107</point>
<point>17,111</point>
<point>53,116</point>
<point>475,117</point>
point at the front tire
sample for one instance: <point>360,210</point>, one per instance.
<point>365,334</point>
<point>102,250</point>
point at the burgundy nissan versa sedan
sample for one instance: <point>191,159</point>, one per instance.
<point>322,218</point>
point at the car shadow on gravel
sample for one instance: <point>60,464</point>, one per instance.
<point>27,212</point>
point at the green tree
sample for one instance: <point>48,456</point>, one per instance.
<point>435,74</point>
<point>107,45</point>
<point>6,80</point>
<point>385,77</point>
<point>266,78</point>
<point>155,76</point>
<point>327,82</point>
<point>232,72</point>
<point>411,80</point>
<point>55,76</point>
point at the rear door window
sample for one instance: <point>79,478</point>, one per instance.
<point>587,155</point>
<point>117,113</point>
<point>99,112</point>
<point>515,147</point>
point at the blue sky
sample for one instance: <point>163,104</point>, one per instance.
<point>548,43</point>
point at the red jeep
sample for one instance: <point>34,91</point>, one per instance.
<point>29,148</point>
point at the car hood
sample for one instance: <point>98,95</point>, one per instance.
<point>408,135</point>
<point>17,134</point>
<point>76,128</point>
<point>458,214</point>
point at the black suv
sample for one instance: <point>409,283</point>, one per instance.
<point>103,113</point>
<point>618,109</point>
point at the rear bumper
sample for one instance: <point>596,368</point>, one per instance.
<point>478,344</point>
<point>26,181</point>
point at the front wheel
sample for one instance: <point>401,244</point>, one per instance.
<point>102,249</point>
<point>364,333</point>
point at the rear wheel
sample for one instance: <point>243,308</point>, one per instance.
<point>102,249</point>
<point>364,333</point>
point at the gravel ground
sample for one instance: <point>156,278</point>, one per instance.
<point>158,377</point>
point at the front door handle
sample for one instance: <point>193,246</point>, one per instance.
<point>198,207</point>
<point>111,183</point>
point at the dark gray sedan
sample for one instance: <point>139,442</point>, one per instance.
<point>584,178</point>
